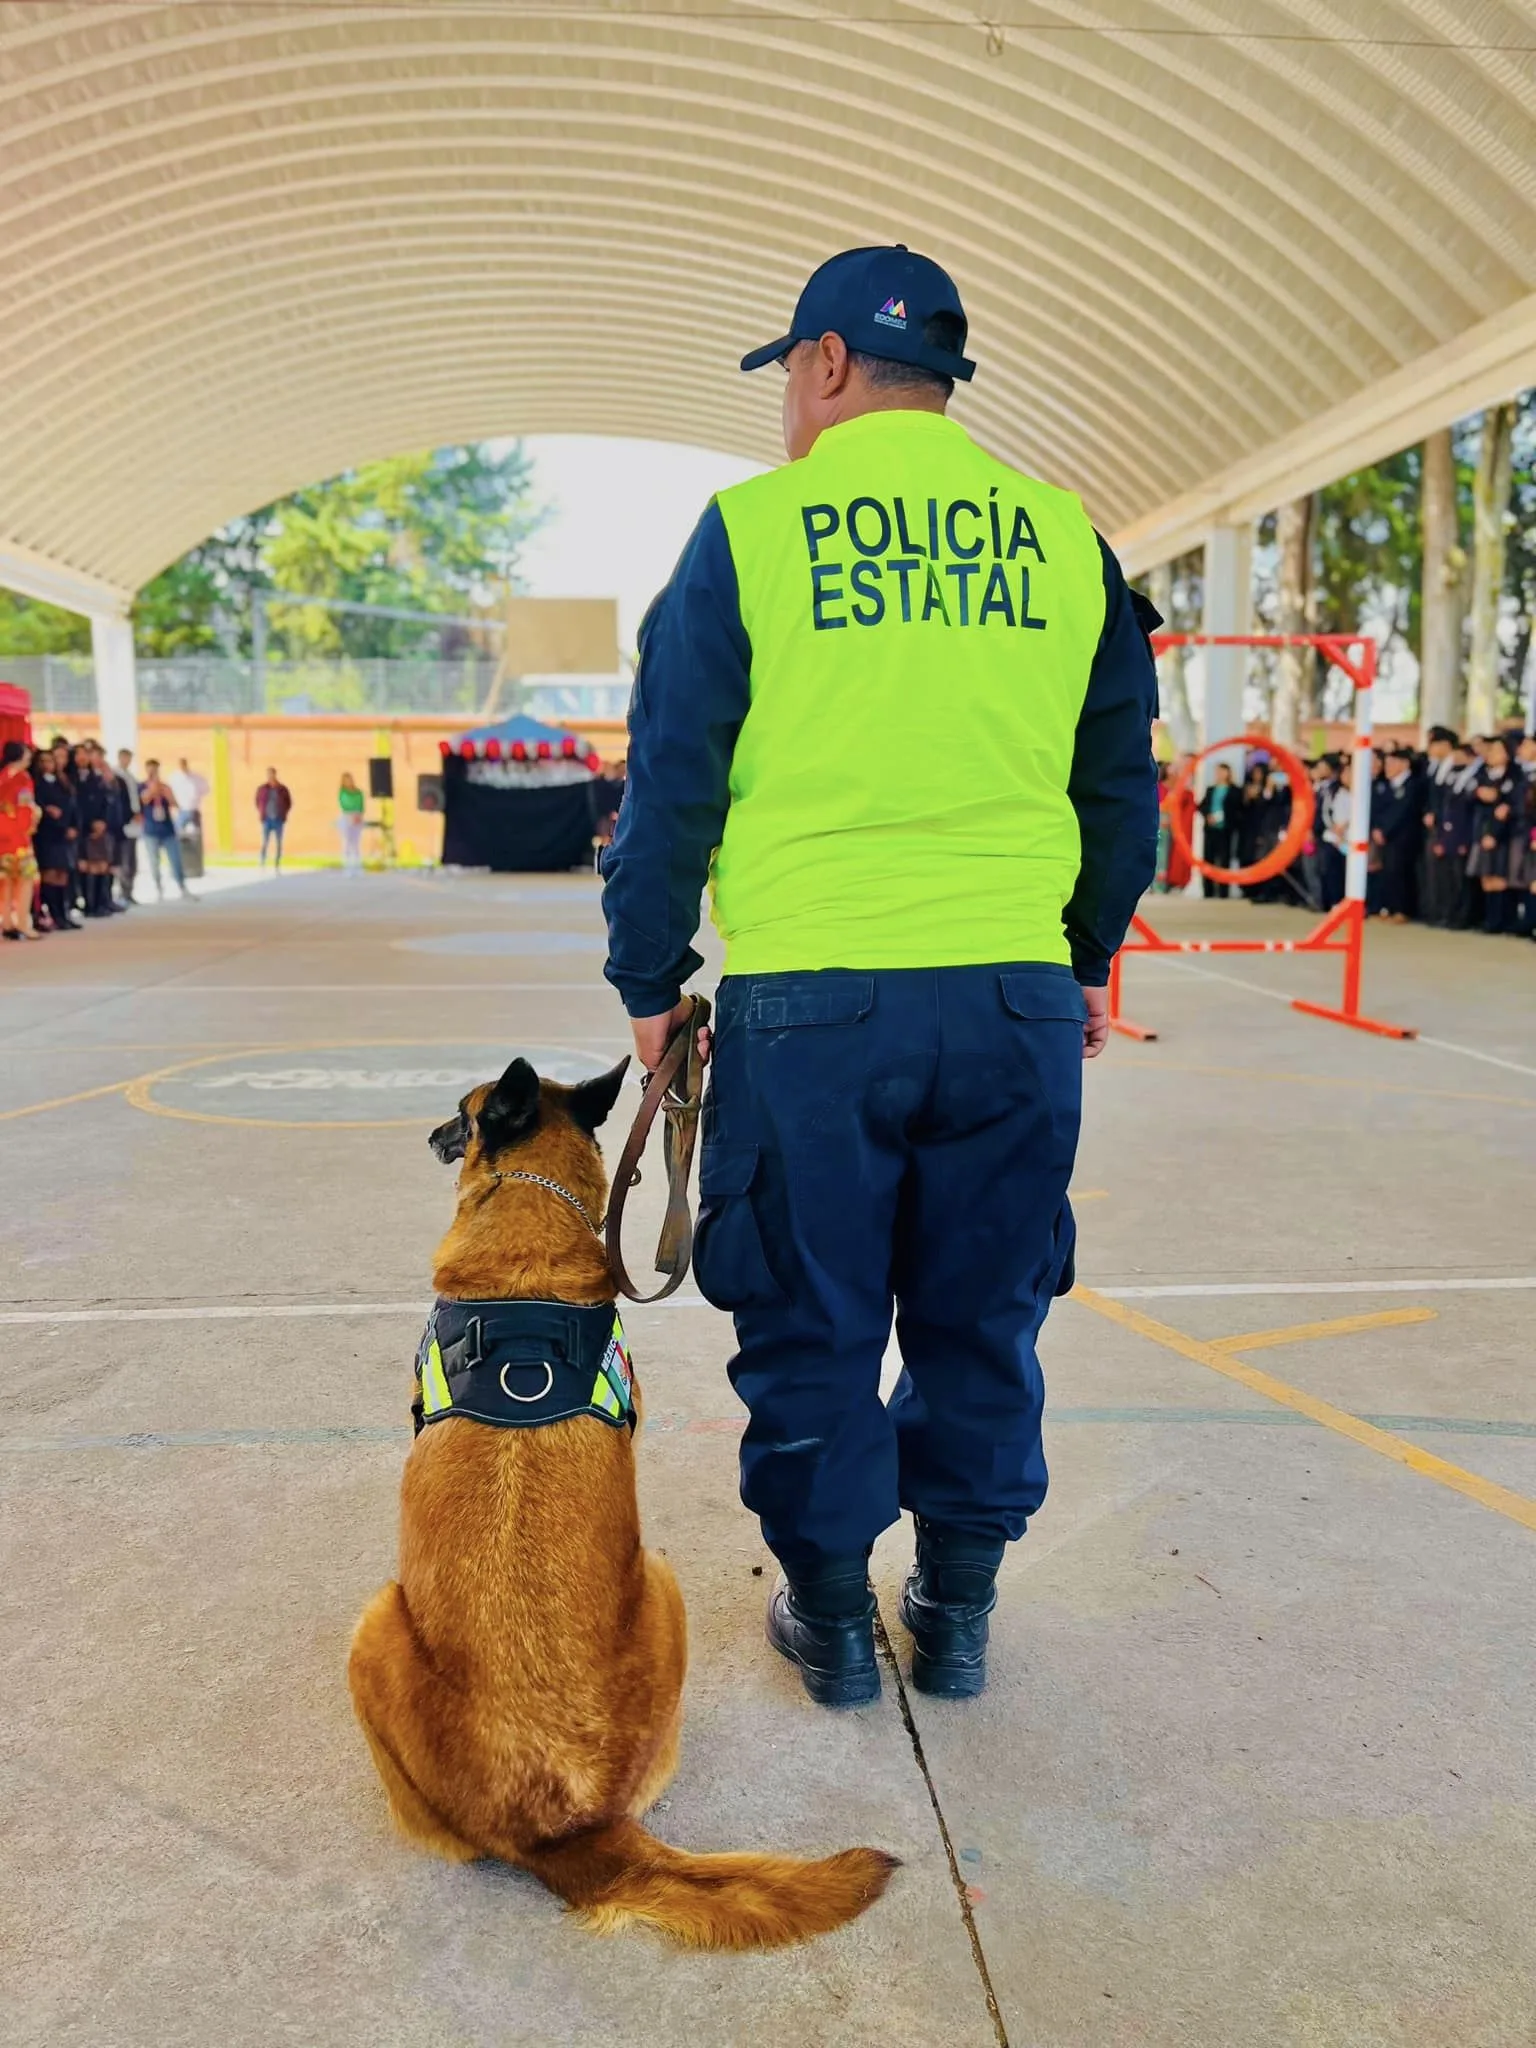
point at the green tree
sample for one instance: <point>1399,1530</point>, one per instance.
<point>203,599</point>
<point>1520,563</point>
<point>431,532</point>
<point>30,628</point>
<point>1369,551</point>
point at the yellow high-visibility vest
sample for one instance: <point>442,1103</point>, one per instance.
<point>923,620</point>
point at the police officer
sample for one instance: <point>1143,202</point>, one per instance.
<point>895,707</point>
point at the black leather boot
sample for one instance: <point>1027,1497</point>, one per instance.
<point>945,1602</point>
<point>824,1621</point>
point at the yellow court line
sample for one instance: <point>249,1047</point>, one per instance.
<point>1089,1194</point>
<point>64,1101</point>
<point>1337,1326</point>
<point>1499,1499</point>
<point>167,1045</point>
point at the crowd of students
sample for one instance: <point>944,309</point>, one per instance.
<point>71,825</point>
<point>1452,832</point>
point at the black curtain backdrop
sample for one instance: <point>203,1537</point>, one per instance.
<point>520,831</point>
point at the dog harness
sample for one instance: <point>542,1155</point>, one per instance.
<point>522,1364</point>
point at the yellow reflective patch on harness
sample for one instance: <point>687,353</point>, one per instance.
<point>435,1396</point>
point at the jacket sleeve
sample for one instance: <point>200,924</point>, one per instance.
<point>692,689</point>
<point>1113,785</point>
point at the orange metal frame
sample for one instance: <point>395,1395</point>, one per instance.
<point>1341,930</point>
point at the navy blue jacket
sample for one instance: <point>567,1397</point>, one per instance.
<point>691,694</point>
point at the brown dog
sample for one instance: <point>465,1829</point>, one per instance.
<point>521,1683</point>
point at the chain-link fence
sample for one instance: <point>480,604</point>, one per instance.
<point>63,688</point>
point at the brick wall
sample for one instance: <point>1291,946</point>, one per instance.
<point>309,754</point>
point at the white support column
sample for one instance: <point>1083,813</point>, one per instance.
<point>117,690</point>
<point>1228,609</point>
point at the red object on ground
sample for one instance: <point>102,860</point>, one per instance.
<point>1342,930</point>
<point>1179,802</point>
<point>17,816</point>
<point>15,714</point>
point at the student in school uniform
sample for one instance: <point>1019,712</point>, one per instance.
<point>1500,808</point>
<point>1219,808</point>
<point>1334,805</point>
<point>100,816</point>
<point>1396,809</point>
<point>1448,823</point>
<point>58,828</point>
<point>1522,869</point>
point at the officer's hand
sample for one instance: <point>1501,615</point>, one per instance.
<point>1096,1023</point>
<point>652,1035</point>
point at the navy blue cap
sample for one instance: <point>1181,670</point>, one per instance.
<point>878,300</point>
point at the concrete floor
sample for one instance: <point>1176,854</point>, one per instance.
<point>1256,1768</point>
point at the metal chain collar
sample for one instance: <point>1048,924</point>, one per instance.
<point>553,1187</point>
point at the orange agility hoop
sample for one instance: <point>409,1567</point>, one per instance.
<point>1342,930</point>
<point>1297,833</point>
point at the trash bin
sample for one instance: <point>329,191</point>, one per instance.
<point>191,837</point>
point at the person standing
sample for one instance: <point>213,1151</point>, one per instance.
<point>273,803</point>
<point>1177,803</point>
<point>896,703</point>
<point>189,788</point>
<point>1523,856</point>
<point>133,826</point>
<point>1396,829</point>
<point>1448,835</point>
<point>349,823</point>
<point>57,830</point>
<point>1335,805</point>
<point>100,819</point>
<point>1498,800</point>
<point>1258,827</point>
<point>18,864</point>
<point>158,805</point>
<point>1218,807</point>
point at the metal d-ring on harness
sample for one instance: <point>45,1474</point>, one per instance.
<point>549,1381</point>
<point>677,1088</point>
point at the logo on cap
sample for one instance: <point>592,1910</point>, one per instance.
<point>892,314</point>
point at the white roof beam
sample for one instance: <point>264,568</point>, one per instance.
<point>1483,366</point>
<point>38,576</point>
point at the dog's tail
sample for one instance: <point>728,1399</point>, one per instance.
<point>619,1875</point>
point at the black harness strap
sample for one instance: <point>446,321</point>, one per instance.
<point>522,1364</point>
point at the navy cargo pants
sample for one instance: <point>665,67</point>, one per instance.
<point>903,1136</point>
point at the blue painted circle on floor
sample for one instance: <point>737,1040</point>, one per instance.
<point>504,943</point>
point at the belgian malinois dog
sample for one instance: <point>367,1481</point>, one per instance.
<point>520,1684</point>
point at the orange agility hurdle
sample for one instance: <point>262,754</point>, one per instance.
<point>1342,930</point>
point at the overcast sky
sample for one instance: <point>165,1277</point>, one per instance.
<point>623,510</point>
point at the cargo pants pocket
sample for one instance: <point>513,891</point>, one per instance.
<point>729,1262</point>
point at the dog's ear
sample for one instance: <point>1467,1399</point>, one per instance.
<point>590,1101</point>
<point>511,1109</point>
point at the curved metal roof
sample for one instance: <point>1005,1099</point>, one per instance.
<point>1207,245</point>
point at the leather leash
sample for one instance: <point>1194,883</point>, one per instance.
<point>676,1087</point>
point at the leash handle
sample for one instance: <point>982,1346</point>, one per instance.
<point>676,1090</point>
